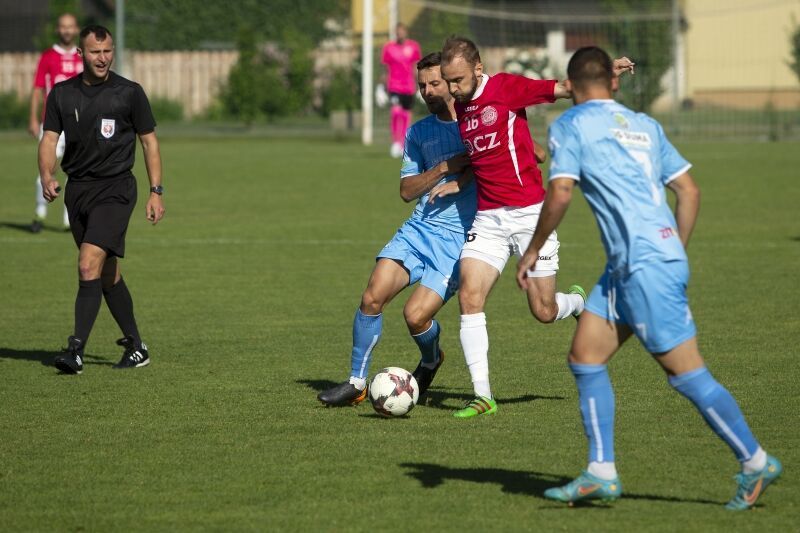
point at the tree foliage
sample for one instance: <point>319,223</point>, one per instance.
<point>794,40</point>
<point>193,24</point>
<point>648,43</point>
<point>432,27</point>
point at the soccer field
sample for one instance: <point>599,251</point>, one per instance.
<point>245,295</point>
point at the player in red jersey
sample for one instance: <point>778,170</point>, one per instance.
<point>494,129</point>
<point>56,64</point>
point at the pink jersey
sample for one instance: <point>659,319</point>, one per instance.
<point>400,60</point>
<point>56,65</point>
<point>494,128</point>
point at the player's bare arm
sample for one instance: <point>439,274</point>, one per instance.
<point>154,209</point>
<point>621,65</point>
<point>37,97</point>
<point>539,152</point>
<point>413,187</point>
<point>559,195</point>
<point>452,187</point>
<point>47,163</point>
<point>687,205</point>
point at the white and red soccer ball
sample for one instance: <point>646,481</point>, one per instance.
<point>393,392</point>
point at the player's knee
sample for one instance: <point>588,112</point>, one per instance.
<point>471,301</point>
<point>89,269</point>
<point>371,304</point>
<point>416,317</point>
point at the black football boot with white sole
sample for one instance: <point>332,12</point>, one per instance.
<point>134,356</point>
<point>71,361</point>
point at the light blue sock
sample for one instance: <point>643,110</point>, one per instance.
<point>719,409</point>
<point>428,342</point>
<point>596,399</point>
<point>366,334</point>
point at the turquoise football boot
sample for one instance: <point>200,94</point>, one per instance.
<point>751,486</point>
<point>586,487</point>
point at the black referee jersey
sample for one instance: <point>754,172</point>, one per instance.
<point>100,123</point>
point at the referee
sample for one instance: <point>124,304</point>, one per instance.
<point>100,114</point>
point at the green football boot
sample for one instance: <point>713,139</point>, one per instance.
<point>751,486</point>
<point>577,289</point>
<point>481,405</point>
<point>586,487</point>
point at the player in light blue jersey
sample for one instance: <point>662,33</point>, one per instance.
<point>623,161</point>
<point>426,248</point>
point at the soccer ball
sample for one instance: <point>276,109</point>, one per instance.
<point>393,392</point>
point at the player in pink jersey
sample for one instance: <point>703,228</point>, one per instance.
<point>494,129</point>
<point>400,57</point>
<point>56,64</point>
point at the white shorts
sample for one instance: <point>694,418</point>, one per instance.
<point>498,233</point>
<point>62,143</point>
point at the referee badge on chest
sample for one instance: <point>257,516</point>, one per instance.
<point>107,127</point>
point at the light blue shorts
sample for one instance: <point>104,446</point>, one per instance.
<point>651,301</point>
<point>430,254</point>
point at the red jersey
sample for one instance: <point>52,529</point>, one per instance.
<point>494,128</point>
<point>56,65</point>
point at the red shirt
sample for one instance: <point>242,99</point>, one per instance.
<point>56,65</point>
<point>494,128</point>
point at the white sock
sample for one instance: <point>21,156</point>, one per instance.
<point>475,344</point>
<point>359,383</point>
<point>568,305</point>
<point>604,471</point>
<point>756,463</point>
<point>41,203</point>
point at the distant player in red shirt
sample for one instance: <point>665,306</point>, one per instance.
<point>56,64</point>
<point>494,129</point>
<point>400,57</point>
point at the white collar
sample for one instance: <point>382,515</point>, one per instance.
<point>63,51</point>
<point>481,87</point>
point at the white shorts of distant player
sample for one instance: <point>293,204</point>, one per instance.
<point>499,233</point>
<point>62,143</point>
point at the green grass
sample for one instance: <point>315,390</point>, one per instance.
<point>245,294</point>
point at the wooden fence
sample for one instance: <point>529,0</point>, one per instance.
<point>192,78</point>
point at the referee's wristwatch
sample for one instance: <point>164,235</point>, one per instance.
<point>158,189</point>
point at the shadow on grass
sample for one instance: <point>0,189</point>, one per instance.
<point>26,228</point>
<point>438,398</point>
<point>518,482</point>
<point>317,385</point>
<point>46,357</point>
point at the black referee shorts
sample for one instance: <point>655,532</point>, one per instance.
<point>99,212</point>
<point>406,101</point>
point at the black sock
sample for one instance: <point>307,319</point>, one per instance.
<point>87,305</point>
<point>120,303</point>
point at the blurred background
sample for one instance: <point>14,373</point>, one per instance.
<point>707,69</point>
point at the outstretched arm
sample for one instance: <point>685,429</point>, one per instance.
<point>559,195</point>
<point>620,66</point>
<point>687,205</point>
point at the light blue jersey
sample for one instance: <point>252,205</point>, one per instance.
<point>429,142</point>
<point>622,160</point>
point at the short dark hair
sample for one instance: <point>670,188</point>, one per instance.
<point>100,32</point>
<point>456,46</point>
<point>434,59</point>
<point>590,65</point>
